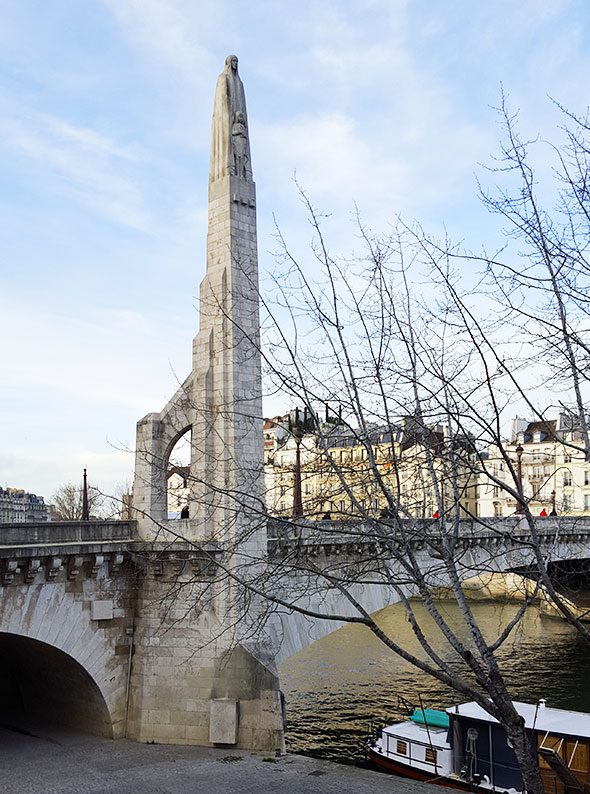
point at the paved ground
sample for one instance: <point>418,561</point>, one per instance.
<point>63,764</point>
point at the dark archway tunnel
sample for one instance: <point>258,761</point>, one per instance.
<point>43,686</point>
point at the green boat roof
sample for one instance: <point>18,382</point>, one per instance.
<point>438,719</point>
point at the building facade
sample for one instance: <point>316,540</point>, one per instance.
<point>341,473</point>
<point>20,507</point>
<point>549,458</point>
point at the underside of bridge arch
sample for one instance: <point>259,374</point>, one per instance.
<point>42,686</point>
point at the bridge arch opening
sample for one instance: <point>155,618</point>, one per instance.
<point>41,685</point>
<point>178,458</point>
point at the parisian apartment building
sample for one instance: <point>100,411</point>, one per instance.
<point>20,507</point>
<point>547,456</point>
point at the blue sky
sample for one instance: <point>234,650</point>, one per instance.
<point>105,110</point>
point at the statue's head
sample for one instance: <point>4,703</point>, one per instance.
<point>231,62</point>
<point>239,117</point>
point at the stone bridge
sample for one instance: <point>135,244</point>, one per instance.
<point>99,630</point>
<point>102,624</point>
<point>484,547</point>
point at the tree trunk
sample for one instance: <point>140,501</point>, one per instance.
<point>525,753</point>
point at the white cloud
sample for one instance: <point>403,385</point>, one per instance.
<point>105,360</point>
<point>73,388</point>
<point>329,157</point>
<point>160,26</point>
<point>176,34</point>
<point>43,471</point>
<point>79,163</point>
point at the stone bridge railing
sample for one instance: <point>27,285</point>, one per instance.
<point>62,549</point>
<point>57,533</point>
<point>341,537</point>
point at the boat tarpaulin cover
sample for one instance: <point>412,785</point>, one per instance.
<point>440,719</point>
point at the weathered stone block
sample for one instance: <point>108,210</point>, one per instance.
<point>223,721</point>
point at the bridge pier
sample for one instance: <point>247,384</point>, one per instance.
<point>192,680</point>
<point>205,679</point>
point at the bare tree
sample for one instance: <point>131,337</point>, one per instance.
<point>538,284</point>
<point>380,349</point>
<point>420,356</point>
<point>66,502</point>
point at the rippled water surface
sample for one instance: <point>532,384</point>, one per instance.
<point>337,685</point>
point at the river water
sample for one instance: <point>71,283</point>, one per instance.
<point>339,684</point>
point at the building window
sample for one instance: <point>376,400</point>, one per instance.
<point>567,478</point>
<point>567,457</point>
<point>587,477</point>
<point>342,505</point>
<point>307,488</point>
<point>402,747</point>
<point>282,507</point>
<point>587,501</point>
<point>283,490</point>
<point>566,504</point>
<point>430,755</point>
<point>498,510</point>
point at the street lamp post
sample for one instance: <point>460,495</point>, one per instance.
<point>85,506</point>
<point>298,427</point>
<point>553,509</point>
<point>520,506</point>
<point>297,433</point>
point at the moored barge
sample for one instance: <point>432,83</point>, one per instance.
<point>466,748</point>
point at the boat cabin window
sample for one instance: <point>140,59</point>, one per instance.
<point>402,747</point>
<point>430,755</point>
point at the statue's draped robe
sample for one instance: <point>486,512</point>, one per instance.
<point>229,99</point>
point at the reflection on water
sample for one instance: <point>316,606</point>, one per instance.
<point>337,685</point>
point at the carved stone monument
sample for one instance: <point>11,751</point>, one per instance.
<point>220,401</point>
<point>220,405</point>
<point>229,114</point>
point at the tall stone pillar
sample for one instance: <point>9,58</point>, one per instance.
<point>201,672</point>
<point>227,443</point>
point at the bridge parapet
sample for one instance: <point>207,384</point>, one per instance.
<point>336,537</point>
<point>57,533</point>
<point>70,550</point>
<point>63,550</point>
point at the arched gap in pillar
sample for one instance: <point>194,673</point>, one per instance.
<point>177,476</point>
<point>41,686</point>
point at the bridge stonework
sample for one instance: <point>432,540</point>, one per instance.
<point>65,610</point>
<point>101,631</point>
<point>190,680</point>
<point>187,664</point>
<point>485,547</point>
<point>94,636</point>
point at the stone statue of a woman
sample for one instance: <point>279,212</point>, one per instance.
<point>230,145</point>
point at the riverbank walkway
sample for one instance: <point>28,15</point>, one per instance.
<point>60,763</point>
